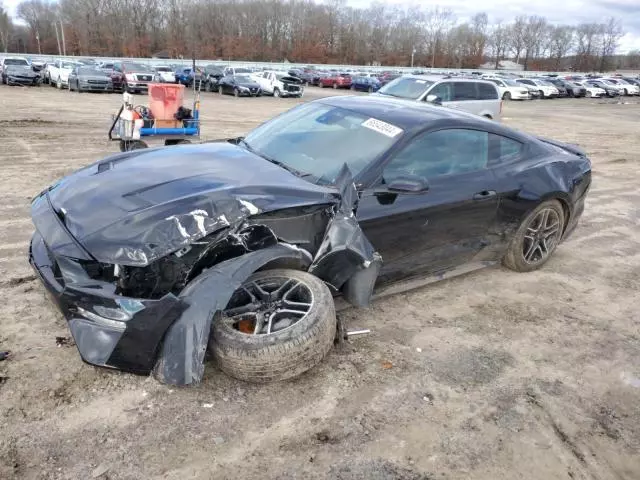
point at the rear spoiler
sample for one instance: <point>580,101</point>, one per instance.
<point>576,150</point>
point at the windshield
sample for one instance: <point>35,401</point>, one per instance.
<point>317,139</point>
<point>242,70</point>
<point>16,61</point>
<point>89,71</point>
<point>243,78</point>
<point>406,87</point>
<point>135,67</point>
<point>164,69</point>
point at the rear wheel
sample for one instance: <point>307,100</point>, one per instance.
<point>506,96</point>
<point>277,325</point>
<point>59,83</point>
<point>541,93</point>
<point>276,92</point>
<point>536,238</point>
<point>129,145</point>
<point>236,92</point>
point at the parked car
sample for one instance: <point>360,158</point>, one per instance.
<point>57,73</point>
<point>591,91</point>
<point>229,246</point>
<point>509,89</point>
<point>610,90</point>
<point>186,76</point>
<point>18,71</point>
<point>336,80</point>
<point>164,74</point>
<point>626,88</point>
<point>212,75</point>
<point>632,81</point>
<point>90,79</point>
<point>117,78</point>
<point>573,89</point>
<point>237,71</point>
<point>365,84</point>
<point>545,89</point>
<point>476,96</point>
<point>241,85</point>
<point>279,84</point>
<point>562,91</point>
<point>388,77</point>
<point>137,77</point>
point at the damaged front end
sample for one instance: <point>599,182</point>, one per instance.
<point>147,303</point>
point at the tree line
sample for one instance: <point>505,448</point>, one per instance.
<point>304,31</point>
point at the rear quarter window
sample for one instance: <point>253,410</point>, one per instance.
<point>465,91</point>
<point>503,149</point>
<point>487,92</point>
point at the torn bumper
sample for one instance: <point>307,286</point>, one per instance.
<point>109,330</point>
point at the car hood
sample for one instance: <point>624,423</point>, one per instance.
<point>84,78</point>
<point>247,84</point>
<point>135,207</point>
<point>23,70</point>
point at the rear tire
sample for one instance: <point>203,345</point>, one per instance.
<point>276,92</point>
<point>506,96</point>
<point>282,354</point>
<point>525,237</point>
<point>541,94</point>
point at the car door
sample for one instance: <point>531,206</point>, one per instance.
<point>443,226</point>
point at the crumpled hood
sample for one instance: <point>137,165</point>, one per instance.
<point>22,70</point>
<point>135,207</point>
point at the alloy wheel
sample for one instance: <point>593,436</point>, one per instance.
<point>542,236</point>
<point>268,305</point>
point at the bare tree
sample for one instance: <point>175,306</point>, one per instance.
<point>438,21</point>
<point>499,42</point>
<point>5,28</point>
<point>517,37</point>
<point>611,34</point>
<point>588,41</point>
<point>533,37</point>
<point>562,39</point>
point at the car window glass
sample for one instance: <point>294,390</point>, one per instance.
<point>487,92</point>
<point>445,152</point>
<point>443,90</point>
<point>503,149</point>
<point>464,91</point>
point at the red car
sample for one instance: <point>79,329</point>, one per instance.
<point>336,80</point>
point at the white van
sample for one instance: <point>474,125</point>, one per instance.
<point>479,97</point>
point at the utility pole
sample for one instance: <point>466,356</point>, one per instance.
<point>38,40</point>
<point>64,44</point>
<point>55,27</point>
<point>413,52</point>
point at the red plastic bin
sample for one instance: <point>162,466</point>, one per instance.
<point>165,99</point>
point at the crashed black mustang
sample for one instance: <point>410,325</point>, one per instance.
<point>237,247</point>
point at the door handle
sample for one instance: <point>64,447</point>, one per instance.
<point>484,195</point>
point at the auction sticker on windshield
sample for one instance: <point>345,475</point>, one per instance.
<point>382,127</point>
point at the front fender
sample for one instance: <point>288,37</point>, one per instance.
<point>181,358</point>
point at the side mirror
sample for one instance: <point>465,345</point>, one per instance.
<point>408,184</point>
<point>436,100</point>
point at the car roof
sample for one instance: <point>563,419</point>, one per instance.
<point>406,114</point>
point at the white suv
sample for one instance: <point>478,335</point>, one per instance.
<point>546,89</point>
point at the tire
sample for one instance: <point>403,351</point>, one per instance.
<point>283,354</point>
<point>59,83</point>
<point>129,145</point>
<point>335,86</point>
<point>506,96</point>
<point>521,242</point>
<point>626,92</point>
<point>220,91</point>
<point>370,89</point>
<point>236,92</point>
<point>541,94</point>
<point>276,92</point>
<point>588,94</point>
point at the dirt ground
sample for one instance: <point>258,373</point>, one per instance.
<point>493,375</point>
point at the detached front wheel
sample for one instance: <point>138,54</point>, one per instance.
<point>277,325</point>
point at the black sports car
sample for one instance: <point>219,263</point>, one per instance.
<point>239,85</point>
<point>238,245</point>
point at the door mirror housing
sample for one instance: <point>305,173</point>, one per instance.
<point>436,100</point>
<point>408,184</point>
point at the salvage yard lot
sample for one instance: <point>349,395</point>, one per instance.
<point>487,376</point>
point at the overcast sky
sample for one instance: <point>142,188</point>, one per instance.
<point>563,11</point>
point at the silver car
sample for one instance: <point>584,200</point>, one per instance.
<point>475,96</point>
<point>89,79</point>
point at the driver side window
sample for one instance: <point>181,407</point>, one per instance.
<point>441,153</point>
<point>442,90</point>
